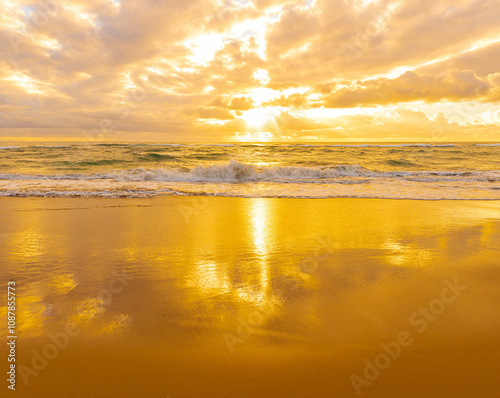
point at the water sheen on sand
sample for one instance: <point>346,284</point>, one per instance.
<point>236,297</point>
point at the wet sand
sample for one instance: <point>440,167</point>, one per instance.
<point>232,297</point>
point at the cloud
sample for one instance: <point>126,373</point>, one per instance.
<point>192,69</point>
<point>483,61</point>
<point>210,113</point>
<point>236,103</point>
<point>410,86</point>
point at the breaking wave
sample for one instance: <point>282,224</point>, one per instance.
<point>238,172</point>
<point>235,172</point>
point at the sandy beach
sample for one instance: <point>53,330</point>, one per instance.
<point>250,199</point>
<point>233,297</point>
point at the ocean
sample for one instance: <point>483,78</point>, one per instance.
<point>388,171</point>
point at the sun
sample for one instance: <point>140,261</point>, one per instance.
<point>262,136</point>
<point>259,117</point>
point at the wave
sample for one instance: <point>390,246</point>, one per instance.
<point>48,146</point>
<point>208,156</point>
<point>399,145</point>
<point>223,145</point>
<point>159,145</point>
<point>235,179</point>
<point>112,145</point>
<point>372,145</point>
<point>124,193</point>
<point>487,145</point>
<point>101,162</point>
<point>393,162</point>
<point>130,193</point>
<point>35,147</point>
<point>238,172</point>
<point>234,172</point>
<point>186,145</point>
<point>156,157</point>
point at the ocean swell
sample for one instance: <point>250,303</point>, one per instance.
<point>235,172</point>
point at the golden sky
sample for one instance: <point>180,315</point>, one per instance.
<point>250,70</point>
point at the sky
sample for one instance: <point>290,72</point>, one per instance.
<point>250,70</point>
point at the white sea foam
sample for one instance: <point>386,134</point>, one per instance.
<point>235,171</point>
<point>239,172</point>
<point>84,194</point>
<point>276,176</point>
<point>49,146</point>
<point>404,192</point>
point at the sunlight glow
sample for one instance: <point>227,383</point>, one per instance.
<point>262,94</point>
<point>261,75</point>
<point>25,82</point>
<point>253,66</point>
<point>262,136</point>
<point>258,117</point>
<point>49,43</point>
<point>204,47</point>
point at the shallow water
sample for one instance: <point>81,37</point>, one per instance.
<point>226,297</point>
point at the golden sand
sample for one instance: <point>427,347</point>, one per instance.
<point>221,297</point>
